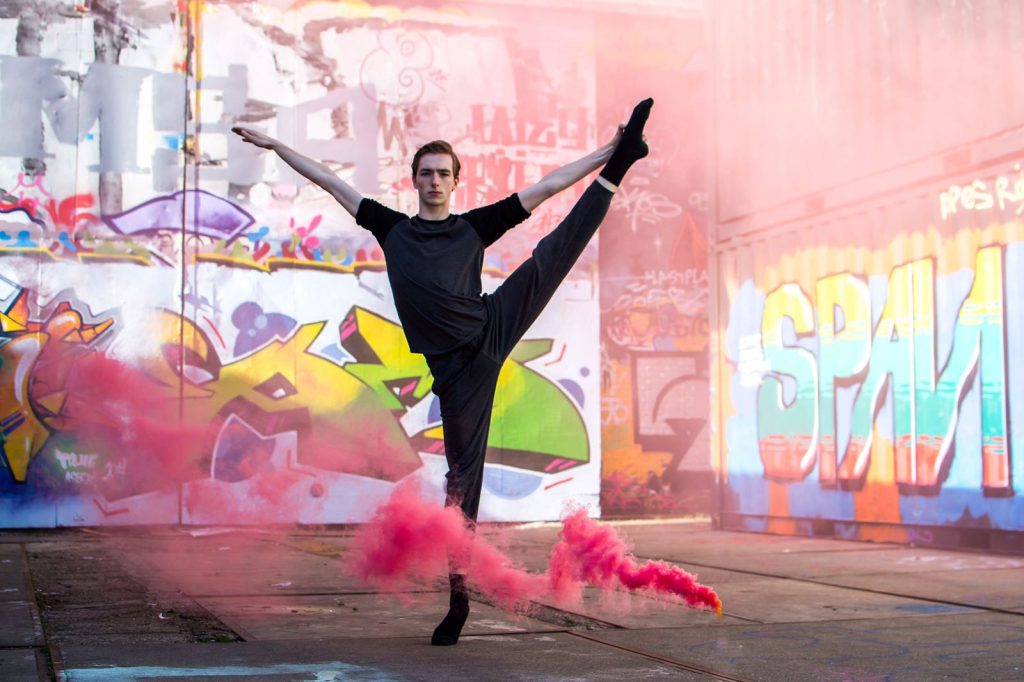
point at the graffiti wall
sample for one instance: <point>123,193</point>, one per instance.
<point>265,362</point>
<point>868,372</point>
<point>654,281</point>
<point>866,272</point>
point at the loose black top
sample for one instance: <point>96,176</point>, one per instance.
<point>434,268</point>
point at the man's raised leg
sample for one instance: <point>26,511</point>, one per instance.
<point>515,305</point>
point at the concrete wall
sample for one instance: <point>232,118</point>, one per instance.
<point>133,224</point>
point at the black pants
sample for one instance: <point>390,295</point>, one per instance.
<point>465,379</point>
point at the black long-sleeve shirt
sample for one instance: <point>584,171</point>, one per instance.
<point>434,268</point>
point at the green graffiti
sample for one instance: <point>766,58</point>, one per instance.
<point>533,422</point>
<point>384,362</point>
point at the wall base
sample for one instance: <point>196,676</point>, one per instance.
<point>939,537</point>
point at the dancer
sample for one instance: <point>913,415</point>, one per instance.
<point>434,261</point>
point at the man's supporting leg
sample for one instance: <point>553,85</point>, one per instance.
<point>465,384</point>
<point>466,417</point>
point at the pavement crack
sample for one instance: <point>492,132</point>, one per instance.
<point>692,667</point>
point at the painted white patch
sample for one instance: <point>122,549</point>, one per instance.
<point>126,674</point>
<point>491,638</point>
<point>498,625</point>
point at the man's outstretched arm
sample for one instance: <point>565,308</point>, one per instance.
<point>628,146</point>
<point>314,171</point>
<point>566,176</point>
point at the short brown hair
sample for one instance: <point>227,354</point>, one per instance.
<point>436,147</point>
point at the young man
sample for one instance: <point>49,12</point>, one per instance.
<point>434,261</point>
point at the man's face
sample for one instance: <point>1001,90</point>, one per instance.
<point>435,180</point>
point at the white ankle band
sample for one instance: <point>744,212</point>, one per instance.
<point>608,185</point>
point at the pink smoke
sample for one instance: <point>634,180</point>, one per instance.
<point>410,540</point>
<point>592,553</point>
<point>117,405</point>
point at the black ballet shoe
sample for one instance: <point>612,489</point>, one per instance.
<point>447,633</point>
<point>631,147</point>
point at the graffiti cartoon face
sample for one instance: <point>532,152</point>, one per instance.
<point>342,425</point>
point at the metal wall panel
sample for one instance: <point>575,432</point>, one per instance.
<point>816,95</point>
<point>869,259</point>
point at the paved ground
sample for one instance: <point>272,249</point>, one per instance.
<point>214,604</point>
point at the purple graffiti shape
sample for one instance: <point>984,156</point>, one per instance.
<point>241,452</point>
<point>256,328</point>
<point>573,389</point>
<point>205,213</point>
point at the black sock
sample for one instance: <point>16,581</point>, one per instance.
<point>447,633</point>
<point>631,147</point>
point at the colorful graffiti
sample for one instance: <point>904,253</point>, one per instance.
<point>654,283</point>
<point>34,358</point>
<point>881,395</point>
<point>655,340</point>
<point>902,350</point>
<point>654,416</point>
<point>343,414</point>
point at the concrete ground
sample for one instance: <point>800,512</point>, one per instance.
<point>219,604</point>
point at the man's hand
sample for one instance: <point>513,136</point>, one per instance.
<point>618,136</point>
<point>255,137</point>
